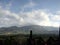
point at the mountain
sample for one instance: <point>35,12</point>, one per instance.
<point>26,29</point>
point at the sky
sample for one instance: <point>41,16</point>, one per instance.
<point>28,12</point>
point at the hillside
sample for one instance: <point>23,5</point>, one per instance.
<point>25,30</point>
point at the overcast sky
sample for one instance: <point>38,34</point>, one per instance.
<point>26,12</point>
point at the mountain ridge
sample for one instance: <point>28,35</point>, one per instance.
<point>26,29</point>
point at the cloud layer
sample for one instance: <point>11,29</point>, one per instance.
<point>27,14</point>
<point>38,17</point>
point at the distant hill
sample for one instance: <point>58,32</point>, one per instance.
<point>25,30</point>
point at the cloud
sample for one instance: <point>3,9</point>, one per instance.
<point>8,6</point>
<point>8,13</point>
<point>38,17</point>
<point>31,16</point>
<point>28,6</point>
<point>7,18</point>
<point>56,17</point>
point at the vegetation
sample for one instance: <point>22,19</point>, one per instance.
<point>22,39</point>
